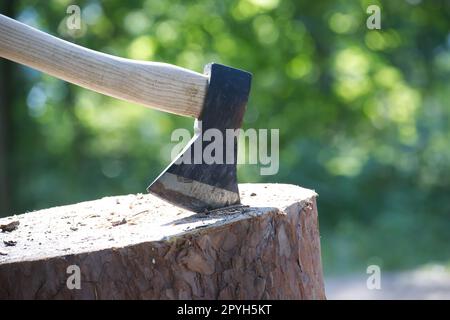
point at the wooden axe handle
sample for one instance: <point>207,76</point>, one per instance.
<point>152,84</point>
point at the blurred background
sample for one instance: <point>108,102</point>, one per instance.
<point>364,115</point>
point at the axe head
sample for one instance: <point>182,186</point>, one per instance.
<point>190,181</point>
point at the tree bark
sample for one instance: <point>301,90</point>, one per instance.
<point>140,247</point>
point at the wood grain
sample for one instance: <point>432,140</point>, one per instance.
<point>140,247</point>
<point>152,84</point>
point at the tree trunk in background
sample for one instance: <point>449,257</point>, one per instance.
<point>6,101</point>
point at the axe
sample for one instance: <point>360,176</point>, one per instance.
<point>217,98</point>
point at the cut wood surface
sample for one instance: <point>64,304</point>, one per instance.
<point>141,247</point>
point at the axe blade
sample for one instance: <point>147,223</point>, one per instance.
<point>200,186</point>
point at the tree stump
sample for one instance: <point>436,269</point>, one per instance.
<point>140,247</point>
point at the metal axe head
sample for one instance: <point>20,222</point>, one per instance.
<point>188,181</point>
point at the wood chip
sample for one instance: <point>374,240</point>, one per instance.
<point>9,243</point>
<point>228,209</point>
<point>10,226</point>
<point>118,223</point>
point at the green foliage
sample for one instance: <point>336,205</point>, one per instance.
<point>363,114</point>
